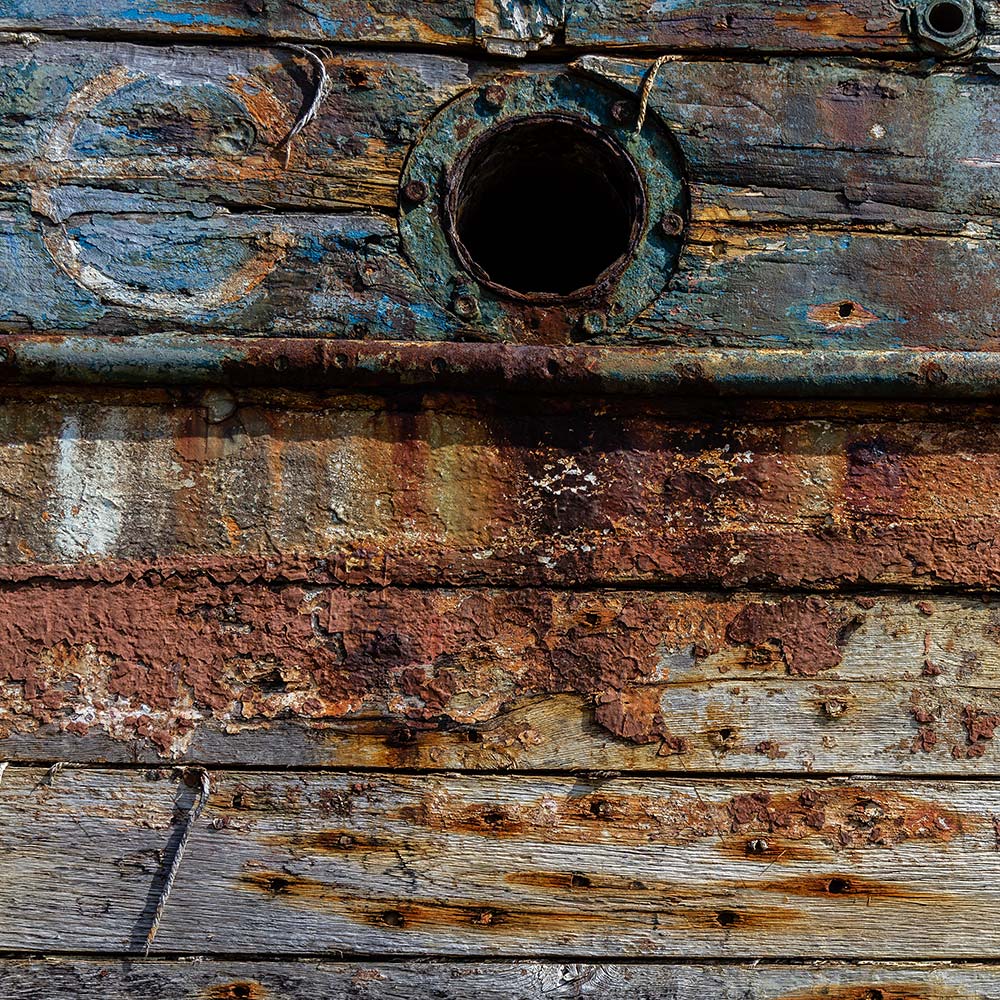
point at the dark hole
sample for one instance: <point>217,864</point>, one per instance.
<point>845,310</point>
<point>946,18</point>
<point>600,808</point>
<point>439,365</point>
<point>874,995</point>
<point>393,918</point>
<point>545,205</point>
<point>580,882</point>
<point>726,918</point>
<point>241,990</point>
<point>552,367</point>
<point>278,884</point>
<point>838,886</point>
<point>494,818</point>
<point>726,734</point>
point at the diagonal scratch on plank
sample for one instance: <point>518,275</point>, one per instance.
<point>194,812</point>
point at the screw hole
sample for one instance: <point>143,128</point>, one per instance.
<point>839,886</point>
<point>846,309</point>
<point>545,206</point>
<point>727,918</point>
<point>580,882</point>
<point>552,367</point>
<point>946,18</point>
<point>393,918</point>
<point>439,365</point>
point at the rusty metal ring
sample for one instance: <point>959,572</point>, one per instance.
<point>455,177</point>
<point>612,296</point>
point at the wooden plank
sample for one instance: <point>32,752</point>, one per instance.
<point>522,491</point>
<point>506,27</point>
<point>200,979</point>
<point>430,22</point>
<point>206,126</point>
<point>476,678</point>
<point>828,26</point>
<point>145,191</point>
<point>313,863</point>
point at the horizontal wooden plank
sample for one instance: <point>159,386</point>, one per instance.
<point>146,191</point>
<point>202,979</point>
<point>842,25</point>
<point>475,678</point>
<point>430,22</point>
<point>450,489</point>
<point>490,865</point>
<point>508,27</point>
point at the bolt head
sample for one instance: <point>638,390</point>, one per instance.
<point>494,96</point>
<point>622,113</point>
<point>465,305</point>
<point>415,192</point>
<point>593,323</point>
<point>671,224</point>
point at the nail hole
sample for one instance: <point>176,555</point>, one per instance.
<point>946,18</point>
<point>600,808</point>
<point>341,360</point>
<point>726,918</point>
<point>838,886</point>
<point>846,309</point>
<point>278,884</point>
<point>580,882</point>
<point>873,995</point>
<point>545,205</point>
<point>393,918</point>
<point>439,365</point>
<point>552,367</point>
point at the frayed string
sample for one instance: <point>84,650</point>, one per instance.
<point>647,88</point>
<point>175,862</point>
<point>315,56</point>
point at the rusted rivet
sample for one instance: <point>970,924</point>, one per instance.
<point>757,846</point>
<point>834,708</point>
<point>671,224</point>
<point>465,305</point>
<point>220,405</point>
<point>593,323</point>
<point>415,192</point>
<point>622,113</point>
<point>494,96</point>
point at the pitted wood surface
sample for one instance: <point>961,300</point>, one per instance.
<point>147,190</point>
<point>486,865</point>
<point>495,679</point>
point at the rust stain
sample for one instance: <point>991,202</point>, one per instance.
<point>242,990</point>
<point>837,818</point>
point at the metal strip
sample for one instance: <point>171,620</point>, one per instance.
<point>188,359</point>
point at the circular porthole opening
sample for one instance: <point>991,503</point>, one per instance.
<point>546,208</point>
<point>946,18</point>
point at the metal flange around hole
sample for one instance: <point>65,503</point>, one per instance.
<point>535,213</point>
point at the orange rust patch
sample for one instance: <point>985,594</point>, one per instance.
<point>242,990</point>
<point>843,315</point>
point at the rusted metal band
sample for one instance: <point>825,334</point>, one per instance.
<point>186,359</point>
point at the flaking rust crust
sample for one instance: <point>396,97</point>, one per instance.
<point>478,676</point>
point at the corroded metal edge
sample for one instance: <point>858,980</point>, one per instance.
<point>188,359</point>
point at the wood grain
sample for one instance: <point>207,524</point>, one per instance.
<point>430,22</point>
<point>507,27</point>
<point>517,492</point>
<point>231,980</point>
<point>246,674</point>
<point>147,192</point>
<point>494,865</point>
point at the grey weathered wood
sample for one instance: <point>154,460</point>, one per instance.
<point>41,979</point>
<point>508,866</point>
<point>252,674</point>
